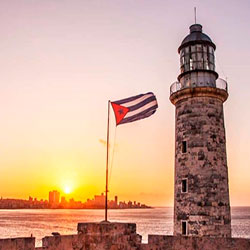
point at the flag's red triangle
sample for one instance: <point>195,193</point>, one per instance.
<point>120,112</point>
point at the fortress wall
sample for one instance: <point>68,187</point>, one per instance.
<point>195,243</point>
<point>26,243</point>
<point>114,228</point>
<point>64,242</point>
<point>90,242</point>
<point>122,236</point>
<point>96,236</point>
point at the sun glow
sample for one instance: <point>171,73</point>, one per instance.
<point>67,179</point>
<point>67,190</point>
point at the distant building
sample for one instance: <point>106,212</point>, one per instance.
<point>54,197</point>
<point>99,200</point>
<point>130,204</point>
<point>63,201</point>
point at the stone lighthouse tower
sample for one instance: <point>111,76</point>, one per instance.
<point>201,198</point>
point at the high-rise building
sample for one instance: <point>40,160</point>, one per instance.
<point>54,197</point>
<point>63,200</point>
<point>99,200</point>
<point>201,198</point>
<point>116,200</point>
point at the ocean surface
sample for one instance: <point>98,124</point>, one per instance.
<point>42,222</point>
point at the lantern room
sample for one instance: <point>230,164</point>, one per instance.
<point>197,60</point>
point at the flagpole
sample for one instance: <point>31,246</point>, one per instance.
<point>107,164</point>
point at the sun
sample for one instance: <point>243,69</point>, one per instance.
<point>67,190</point>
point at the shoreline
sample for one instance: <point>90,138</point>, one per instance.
<point>133,208</point>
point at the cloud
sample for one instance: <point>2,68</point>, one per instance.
<point>148,195</point>
<point>103,142</point>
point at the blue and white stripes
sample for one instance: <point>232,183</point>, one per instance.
<point>139,107</point>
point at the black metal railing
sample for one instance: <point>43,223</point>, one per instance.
<point>176,86</point>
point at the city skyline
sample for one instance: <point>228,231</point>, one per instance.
<point>56,201</point>
<point>62,62</point>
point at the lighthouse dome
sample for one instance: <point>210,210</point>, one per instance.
<point>196,36</point>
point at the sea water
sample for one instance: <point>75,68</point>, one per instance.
<point>42,222</point>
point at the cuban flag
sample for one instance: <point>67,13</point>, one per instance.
<point>134,108</point>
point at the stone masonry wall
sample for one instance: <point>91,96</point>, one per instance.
<point>161,242</point>
<point>205,206</point>
<point>18,244</point>
<point>97,236</point>
<point>122,236</point>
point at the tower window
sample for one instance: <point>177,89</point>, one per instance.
<point>184,187</point>
<point>184,147</point>
<point>184,227</point>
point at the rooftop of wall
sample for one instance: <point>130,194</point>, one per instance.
<point>107,228</point>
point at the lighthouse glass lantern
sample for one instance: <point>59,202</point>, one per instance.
<point>197,57</point>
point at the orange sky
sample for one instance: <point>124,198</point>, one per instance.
<point>61,61</point>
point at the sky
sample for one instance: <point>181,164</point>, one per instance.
<point>60,63</point>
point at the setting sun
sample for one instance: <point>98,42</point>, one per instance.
<point>67,190</point>
<point>67,180</point>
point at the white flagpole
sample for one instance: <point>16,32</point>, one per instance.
<point>107,164</point>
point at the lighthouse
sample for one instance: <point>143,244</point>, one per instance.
<point>201,193</point>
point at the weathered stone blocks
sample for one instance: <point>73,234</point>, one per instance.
<point>27,243</point>
<point>106,228</point>
<point>200,123</point>
<point>123,236</point>
<point>103,235</point>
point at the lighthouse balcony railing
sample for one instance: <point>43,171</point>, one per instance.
<point>220,84</point>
